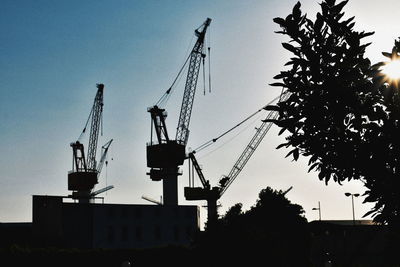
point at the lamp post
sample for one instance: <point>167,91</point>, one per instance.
<point>319,210</point>
<point>352,203</point>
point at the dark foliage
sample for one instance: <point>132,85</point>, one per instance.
<point>342,113</point>
<point>274,232</point>
<point>57,257</point>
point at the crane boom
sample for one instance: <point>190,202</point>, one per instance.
<point>105,148</point>
<point>247,153</point>
<point>215,193</point>
<point>97,111</point>
<point>182,133</point>
<point>261,131</point>
<point>204,182</point>
<point>95,193</point>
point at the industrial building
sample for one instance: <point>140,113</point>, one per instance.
<point>96,225</point>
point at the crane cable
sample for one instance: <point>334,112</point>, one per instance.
<point>231,139</point>
<point>87,122</point>
<point>204,77</point>
<point>209,59</point>
<point>164,98</point>
<point>84,129</point>
<point>166,95</point>
<point>210,142</point>
<point>209,70</point>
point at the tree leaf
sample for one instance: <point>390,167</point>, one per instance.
<point>386,54</point>
<point>313,166</point>
<point>296,154</point>
<point>319,22</point>
<point>290,47</point>
<point>283,145</point>
<point>278,84</point>
<point>280,21</point>
<point>272,107</point>
<point>296,11</point>
<point>337,8</point>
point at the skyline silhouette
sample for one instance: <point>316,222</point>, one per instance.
<point>53,54</point>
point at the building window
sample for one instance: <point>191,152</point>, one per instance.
<point>138,233</point>
<point>124,233</point>
<point>176,233</point>
<point>157,232</point>
<point>110,234</point>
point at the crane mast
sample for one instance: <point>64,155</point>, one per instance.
<point>182,133</point>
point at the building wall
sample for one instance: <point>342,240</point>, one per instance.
<point>47,219</point>
<point>140,226</point>
<point>112,225</point>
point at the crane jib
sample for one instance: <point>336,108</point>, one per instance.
<point>95,126</point>
<point>182,133</point>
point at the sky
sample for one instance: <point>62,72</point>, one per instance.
<point>52,54</point>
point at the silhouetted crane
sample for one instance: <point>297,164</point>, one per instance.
<point>164,156</point>
<point>84,174</point>
<point>211,195</point>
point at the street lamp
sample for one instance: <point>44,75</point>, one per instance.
<point>319,210</point>
<point>352,203</point>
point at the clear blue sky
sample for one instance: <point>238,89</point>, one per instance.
<point>52,54</point>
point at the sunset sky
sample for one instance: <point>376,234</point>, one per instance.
<point>52,54</point>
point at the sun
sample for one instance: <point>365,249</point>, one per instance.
<point>392,70</point>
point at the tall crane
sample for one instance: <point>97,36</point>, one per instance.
<point>164,156</point>
<point>211,195</point>
<point>84,174</point>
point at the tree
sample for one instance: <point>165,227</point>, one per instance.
<point>342,113</point>
<point>274,231</point>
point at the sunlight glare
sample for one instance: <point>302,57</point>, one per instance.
<point>392,69</point>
